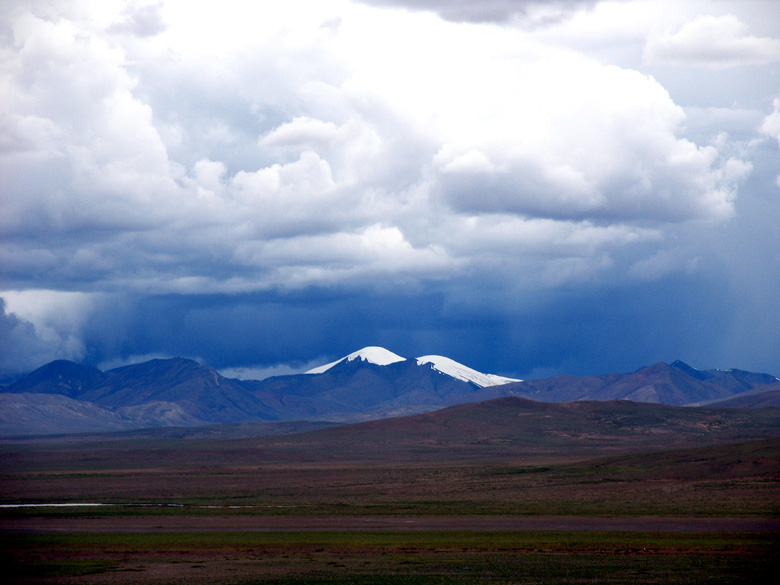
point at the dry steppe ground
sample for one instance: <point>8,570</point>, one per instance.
<point>506,492</point>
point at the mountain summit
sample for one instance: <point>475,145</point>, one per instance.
<point>378,356</point>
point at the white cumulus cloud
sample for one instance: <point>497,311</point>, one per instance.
<point>720,41</point>
<point>771,125</point>
<point>307,143</point>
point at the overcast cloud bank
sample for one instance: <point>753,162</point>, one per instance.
<point>221,170</point>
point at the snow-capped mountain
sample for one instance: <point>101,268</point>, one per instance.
<point>380,356</point>
<point>373,355</point>
<point>367,384</point>
<point>452,368</point>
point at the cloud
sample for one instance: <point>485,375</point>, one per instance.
<point>143,20</point>
<point>717,41</point>
<point>662,264</point>
<point>360,164</point>
<point>364,166</point>
<point>20,348</point>
<point>300,162</point>
<point>531,159</point>
<point>378,254</point>
<point>74,114</point>
<point>301,132</point>
<point>261,372</point>
<point>39,331</point>
<point>771,126</point>
<point>536,12</point>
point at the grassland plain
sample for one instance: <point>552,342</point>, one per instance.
<point>595,493</point>
<point>373,557</point>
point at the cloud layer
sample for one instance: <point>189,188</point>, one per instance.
<point>357,148</point>
<point>528,12</point>
<point>386,157</point>
<point>720,41</point>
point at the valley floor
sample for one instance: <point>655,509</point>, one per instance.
<point>185,524</point>
<point>348,505</point>
<point>372,557</point>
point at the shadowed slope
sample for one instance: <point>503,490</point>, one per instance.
<point>60,377</point>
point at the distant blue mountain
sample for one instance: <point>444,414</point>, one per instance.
<point>63,396</point>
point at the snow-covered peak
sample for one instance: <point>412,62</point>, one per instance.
<point>373,355</point>
<point>452,368</point>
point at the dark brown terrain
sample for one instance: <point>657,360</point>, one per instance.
<point>508,491</point>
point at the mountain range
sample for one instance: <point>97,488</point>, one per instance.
<point>372,383</point>
<point>675,384</point>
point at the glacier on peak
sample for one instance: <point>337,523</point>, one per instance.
<point>371,354</point>
<point>457,370</point>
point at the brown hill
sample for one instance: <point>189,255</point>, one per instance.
<point>519,427</point>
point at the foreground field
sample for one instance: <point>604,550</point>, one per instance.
<point>735,480</point>
<point>372,557</point>
<point>507,492</point>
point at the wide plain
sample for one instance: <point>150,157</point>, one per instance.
<point>503,492</point>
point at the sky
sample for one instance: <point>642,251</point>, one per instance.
<point>529,188</point>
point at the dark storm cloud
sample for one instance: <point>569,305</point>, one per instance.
<point>586,332</point>
<point>580,331</point>
<point>24,348</point>
<point>264,329</point>
<point>20,348</point>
